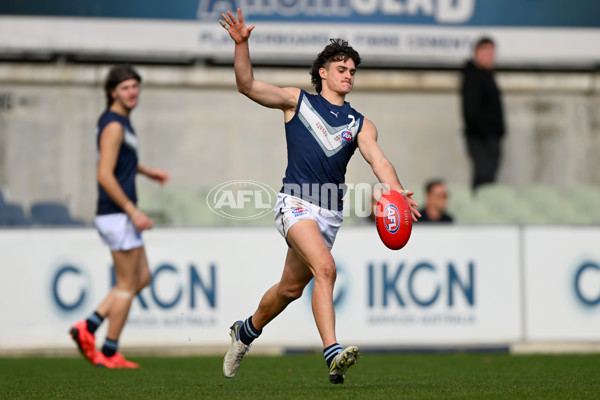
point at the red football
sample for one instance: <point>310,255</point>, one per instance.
<point>393,220</point>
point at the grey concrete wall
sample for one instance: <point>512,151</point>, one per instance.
<point>192,122</point>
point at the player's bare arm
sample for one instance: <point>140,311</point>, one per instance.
<point>110,142</point>
<point>382,168</point>
<point>156,174</point>
<point>261,92</point>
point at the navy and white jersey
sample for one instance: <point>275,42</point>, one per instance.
<point>126,166</point>
<point>321,139</point>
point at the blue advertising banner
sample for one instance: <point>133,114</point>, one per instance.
<point>468,13</point>
<point>423,33</point>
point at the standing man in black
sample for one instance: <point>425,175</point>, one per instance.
<point>482,112</point>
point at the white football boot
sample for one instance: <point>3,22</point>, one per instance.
<point>237,351</point>
<point>340,364</point>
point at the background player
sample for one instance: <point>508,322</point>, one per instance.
<point>322,133</point>
<point>118,220</point>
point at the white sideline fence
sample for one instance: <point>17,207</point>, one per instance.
<point>533,289</point>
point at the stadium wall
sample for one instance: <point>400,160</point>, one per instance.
<point>192,122</point>
<point>451,287</point>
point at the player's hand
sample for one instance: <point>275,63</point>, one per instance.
<point>236,28</point>
<point>159,175</point>
<point>141,221</point>
<point>411,204</point>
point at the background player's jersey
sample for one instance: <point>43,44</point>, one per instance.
<point>127,163</point>
<point>321,139</point>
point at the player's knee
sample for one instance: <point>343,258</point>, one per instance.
<point>290,293</point>
<point>325,271</point>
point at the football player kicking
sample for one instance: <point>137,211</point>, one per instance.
<point>322,132</point>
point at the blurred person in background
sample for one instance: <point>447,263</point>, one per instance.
<point>322,133</point>
<point>482,113</point>
<point>436,201</point>
<point>118,220</point>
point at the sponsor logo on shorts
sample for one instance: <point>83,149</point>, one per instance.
<point>346,138</point>
<point>299,211</point>
<point>391,218</point>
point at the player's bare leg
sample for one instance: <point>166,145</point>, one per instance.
<point>305,238</point>
<point>132,275</point>
<point>143,277</point>
<point>296,275</point>
<point>308,257</point>
<point>126,274</point>
<point>294,279</point>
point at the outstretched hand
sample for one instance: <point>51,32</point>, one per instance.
<point>158,175</point>
<point>236,28</point>
<point>412,205</point>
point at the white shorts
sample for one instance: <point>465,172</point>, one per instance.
<point>291,209</point>
<point>118,231</point>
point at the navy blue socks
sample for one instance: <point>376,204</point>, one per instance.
<point>110,347</point>
<point>93,322</point>
<point>248,332</point>
<point>330,352</point>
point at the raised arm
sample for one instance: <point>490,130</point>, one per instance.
<point>382,168</point>
<point>261,92</point>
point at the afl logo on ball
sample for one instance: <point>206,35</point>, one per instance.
<point>391,218</point>
<point>346,138</point>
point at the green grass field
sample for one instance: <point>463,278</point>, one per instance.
<point>376,376</point>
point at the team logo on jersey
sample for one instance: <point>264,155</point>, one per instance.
<point>346,138</point>
<point>299,211</point>
<point>391,218</point>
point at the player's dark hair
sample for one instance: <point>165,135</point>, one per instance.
<point>483,41</point>
<point>337,50</point>
<point>434,182</point>
<point>116,75</point>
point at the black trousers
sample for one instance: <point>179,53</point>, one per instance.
<point>485,157</point>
